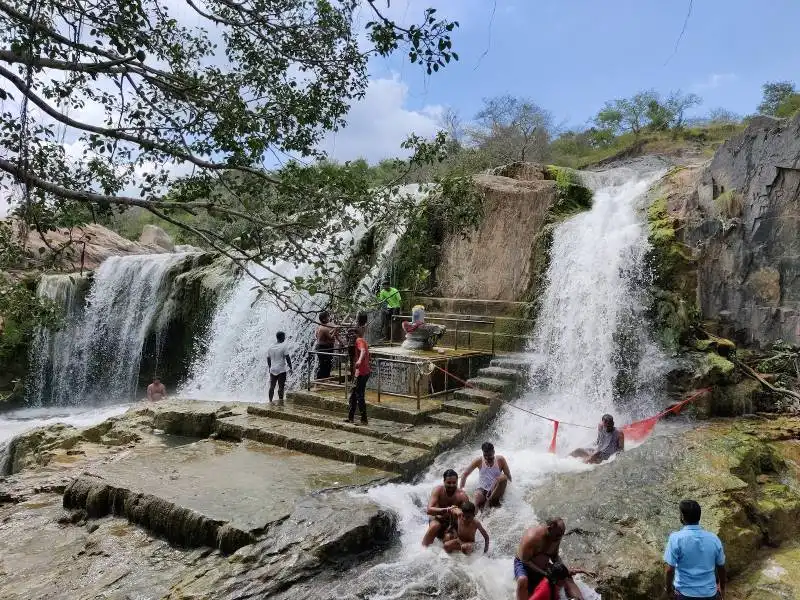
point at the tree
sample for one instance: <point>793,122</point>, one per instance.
<point>677,104</point>
<point>722,116</point>
<point>119,103</point>
<point>775,93</point>
<point>645,109</point>
<point>512,129</point>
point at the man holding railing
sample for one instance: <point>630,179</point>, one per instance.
<point>389,299</point>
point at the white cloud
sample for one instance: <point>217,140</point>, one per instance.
<point>377,125</point>
<point>715,80</point>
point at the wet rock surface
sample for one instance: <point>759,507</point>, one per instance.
<point>620,514</point>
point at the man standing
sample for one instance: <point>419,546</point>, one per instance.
<point>538,551</point>
<point>695,559</point>
<point>362,371</point>
<point>493,476</point>
<point>156,390</point>
<point>610,440</point>
<point>325,336</point>
<point>278,360</point>
<point>389,299</point>
<point>443,508</point>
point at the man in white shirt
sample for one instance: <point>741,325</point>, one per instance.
<point>279,362</point>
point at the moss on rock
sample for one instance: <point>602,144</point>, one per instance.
<point>573,196</point>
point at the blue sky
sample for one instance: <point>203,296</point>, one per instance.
<point>570,56</point>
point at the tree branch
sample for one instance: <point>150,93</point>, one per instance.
<point>113,133</point>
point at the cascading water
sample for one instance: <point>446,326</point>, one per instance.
<point>234,365</point>
<point>95,357</point>
<point>594,289</point>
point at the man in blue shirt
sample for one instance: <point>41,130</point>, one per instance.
<point>695,559</point>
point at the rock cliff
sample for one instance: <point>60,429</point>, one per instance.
<point>743,221</point>
<point>505,258</point>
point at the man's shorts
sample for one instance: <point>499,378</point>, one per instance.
<point>679,596</point>
<point>520,570</point>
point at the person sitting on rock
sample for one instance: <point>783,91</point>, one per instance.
<point>466,527</point>
<point>538,551</point>
<point>610,440</point>
<point>156,390</point>
<point>493,477</point>
<point>443,509</point>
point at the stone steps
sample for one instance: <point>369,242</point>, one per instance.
<point>475,395</point>
<point>506,373</point>
<point>492,384</point>
<point>316,401</point>
<point>448,419</point>
<point>357,448</point>
<point>464,407</point>
<point>426,436</point>
<point>512,361</point>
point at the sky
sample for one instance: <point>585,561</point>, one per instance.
<point>570,56</point>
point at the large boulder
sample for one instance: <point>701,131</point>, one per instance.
<point>154,236</point>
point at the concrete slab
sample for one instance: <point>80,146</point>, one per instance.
<point>248,485</point>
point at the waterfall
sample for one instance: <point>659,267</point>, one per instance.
<point>592,318</point>
<point>592,308</point>
<point>94,358</point>
<point>51,350</point>
<point>234,366</point>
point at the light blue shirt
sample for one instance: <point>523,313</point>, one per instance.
<point>695,553</point>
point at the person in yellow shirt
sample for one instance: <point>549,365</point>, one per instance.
<point>389,299</point>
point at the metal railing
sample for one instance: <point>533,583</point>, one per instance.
<point>458,322</point>
<point>342,382</point>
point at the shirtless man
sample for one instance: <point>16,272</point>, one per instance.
<point>468,525</point>
<point>537,551</point>
<point>156,390</point>
<point>443,508</point>
<point>493,476</point>
<point>325,336</point>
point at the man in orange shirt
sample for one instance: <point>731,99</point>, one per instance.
<point>362,372</point>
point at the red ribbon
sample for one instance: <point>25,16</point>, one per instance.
<point>552,449</point>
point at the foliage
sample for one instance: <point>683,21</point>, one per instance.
<point>775,93</point>
<point>573,196</point>
<point>512,129</point>
<point>457,208</point>
<point>729,204</point>
<point>789,107</point>
<point>645,110</point>
<point>21,312</point>
<point>183,114</point>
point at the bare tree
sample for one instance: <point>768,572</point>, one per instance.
<point>512,129</point>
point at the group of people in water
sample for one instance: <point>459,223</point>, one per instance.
<point>694,558</point>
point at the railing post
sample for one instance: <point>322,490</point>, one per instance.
<point>446,375</point>
<point>455,347</point>
<point>378,366</point>
<point>419,382</point>
<point>493,339</point>
<point>308,374</point>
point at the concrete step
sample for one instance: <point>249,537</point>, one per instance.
<point>318,401</point>
<point>426,436</point>
<point>464,407</point>
<point>357,448</point>
<point>501,373</point>
<point>519,363</point>
<point>475,395</point>
<point>451,419</point>
<point>492,384</point>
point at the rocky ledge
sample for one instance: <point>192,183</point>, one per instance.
<point>745,474</point>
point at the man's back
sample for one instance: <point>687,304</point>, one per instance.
<point>695,554</point>
<point>277,356</point>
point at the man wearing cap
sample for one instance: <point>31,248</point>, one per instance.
<point>610,440</point>
<point>389,299</point>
